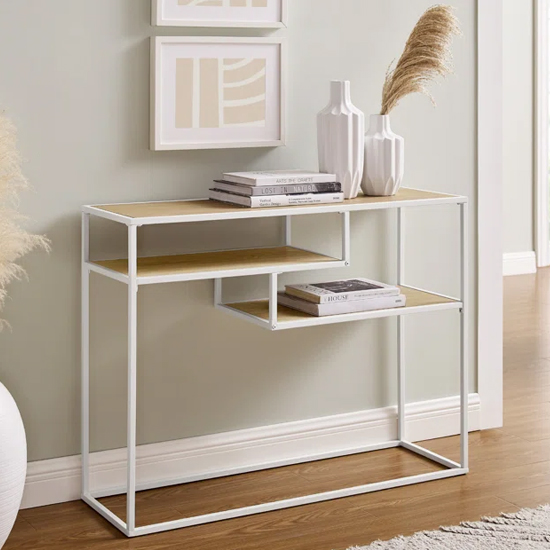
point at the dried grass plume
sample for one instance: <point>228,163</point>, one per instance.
<point>427,55</point>
<point>15,241</point>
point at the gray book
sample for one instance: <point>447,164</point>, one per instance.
<point>293,189</point>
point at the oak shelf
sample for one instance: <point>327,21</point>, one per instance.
<point>207,265</point>
<point>418,301</point>
<point>166,212</point>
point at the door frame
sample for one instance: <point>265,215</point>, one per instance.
<point>490,212</point>
<point>542,150</point>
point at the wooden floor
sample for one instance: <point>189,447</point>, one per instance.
<point>510,468</point>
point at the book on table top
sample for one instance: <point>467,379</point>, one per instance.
<point>341,308</point>
<point>276,200</point>
<point>347,290</point>
<point>266,190</point>
<point>278,177</point>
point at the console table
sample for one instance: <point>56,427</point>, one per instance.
<point>217,266</point>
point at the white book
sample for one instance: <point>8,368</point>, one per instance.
<point>276,200</point>
<point>278,177</point>
<point>347,290</point>
<point>341,308</point>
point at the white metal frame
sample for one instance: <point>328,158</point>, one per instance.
<point>542,150</point>
<point>156,141</point>
<point>129,527</point>
<point>159,20</point>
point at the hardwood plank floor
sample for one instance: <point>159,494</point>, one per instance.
<point>510,469</point>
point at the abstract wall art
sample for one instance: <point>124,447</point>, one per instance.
<point>211,93</point>
<point>221,13</point>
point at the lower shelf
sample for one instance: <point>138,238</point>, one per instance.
<point>206,499</point>
<point>257,312</point>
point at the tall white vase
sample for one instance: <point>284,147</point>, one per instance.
<point>384,159</point>
<point>340,132</point>
<point>13,462</point>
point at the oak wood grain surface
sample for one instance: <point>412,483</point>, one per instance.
<point>224,260</point>
<point>260,308</point>
<point>200,207</point>
<point>510,468</point>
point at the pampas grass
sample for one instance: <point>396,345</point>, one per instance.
<point>15,241</point>
<point>426,57</point>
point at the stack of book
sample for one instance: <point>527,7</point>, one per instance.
<point>278,188</point>
<point>340,297</point>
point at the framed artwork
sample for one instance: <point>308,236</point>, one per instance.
<point>267,14</point>
<point>217,93</point>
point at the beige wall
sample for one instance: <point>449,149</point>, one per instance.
<point>519,144</point>
<point>74,77</point>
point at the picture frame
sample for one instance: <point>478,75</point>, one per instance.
<point>260,14</point>
<point>217,92</point>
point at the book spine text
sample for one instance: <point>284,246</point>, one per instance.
<point>295,200</point>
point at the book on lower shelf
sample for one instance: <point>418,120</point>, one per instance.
<point>275,200</point>
<point>347,290</point>
<point>341,308</point>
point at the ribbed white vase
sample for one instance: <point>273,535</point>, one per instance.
<point>340,132</point>
<point>384,159</point>
<point>13,462</point>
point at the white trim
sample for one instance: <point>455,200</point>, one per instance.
<point>489,212</point>
<point>58,480</point>
<point>542,150</point>
<point>519,263</point>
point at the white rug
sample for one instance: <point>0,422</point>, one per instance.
<point>525,530</point>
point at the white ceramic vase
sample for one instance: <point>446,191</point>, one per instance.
<point>384,159</point>
<point>340,132</point>
<point>13,462</point>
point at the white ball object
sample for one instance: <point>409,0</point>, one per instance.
<point>13,462</point>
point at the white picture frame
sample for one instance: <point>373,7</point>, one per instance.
<point>170,13</point>
<point>198,92</point>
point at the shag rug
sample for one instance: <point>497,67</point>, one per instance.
<point>524,530</point>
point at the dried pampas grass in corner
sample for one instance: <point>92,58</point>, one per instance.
<point>15,241</point>
<point>427,56</point>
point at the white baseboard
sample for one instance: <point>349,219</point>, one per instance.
<point>519,263</point>
<point>58,480</point>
